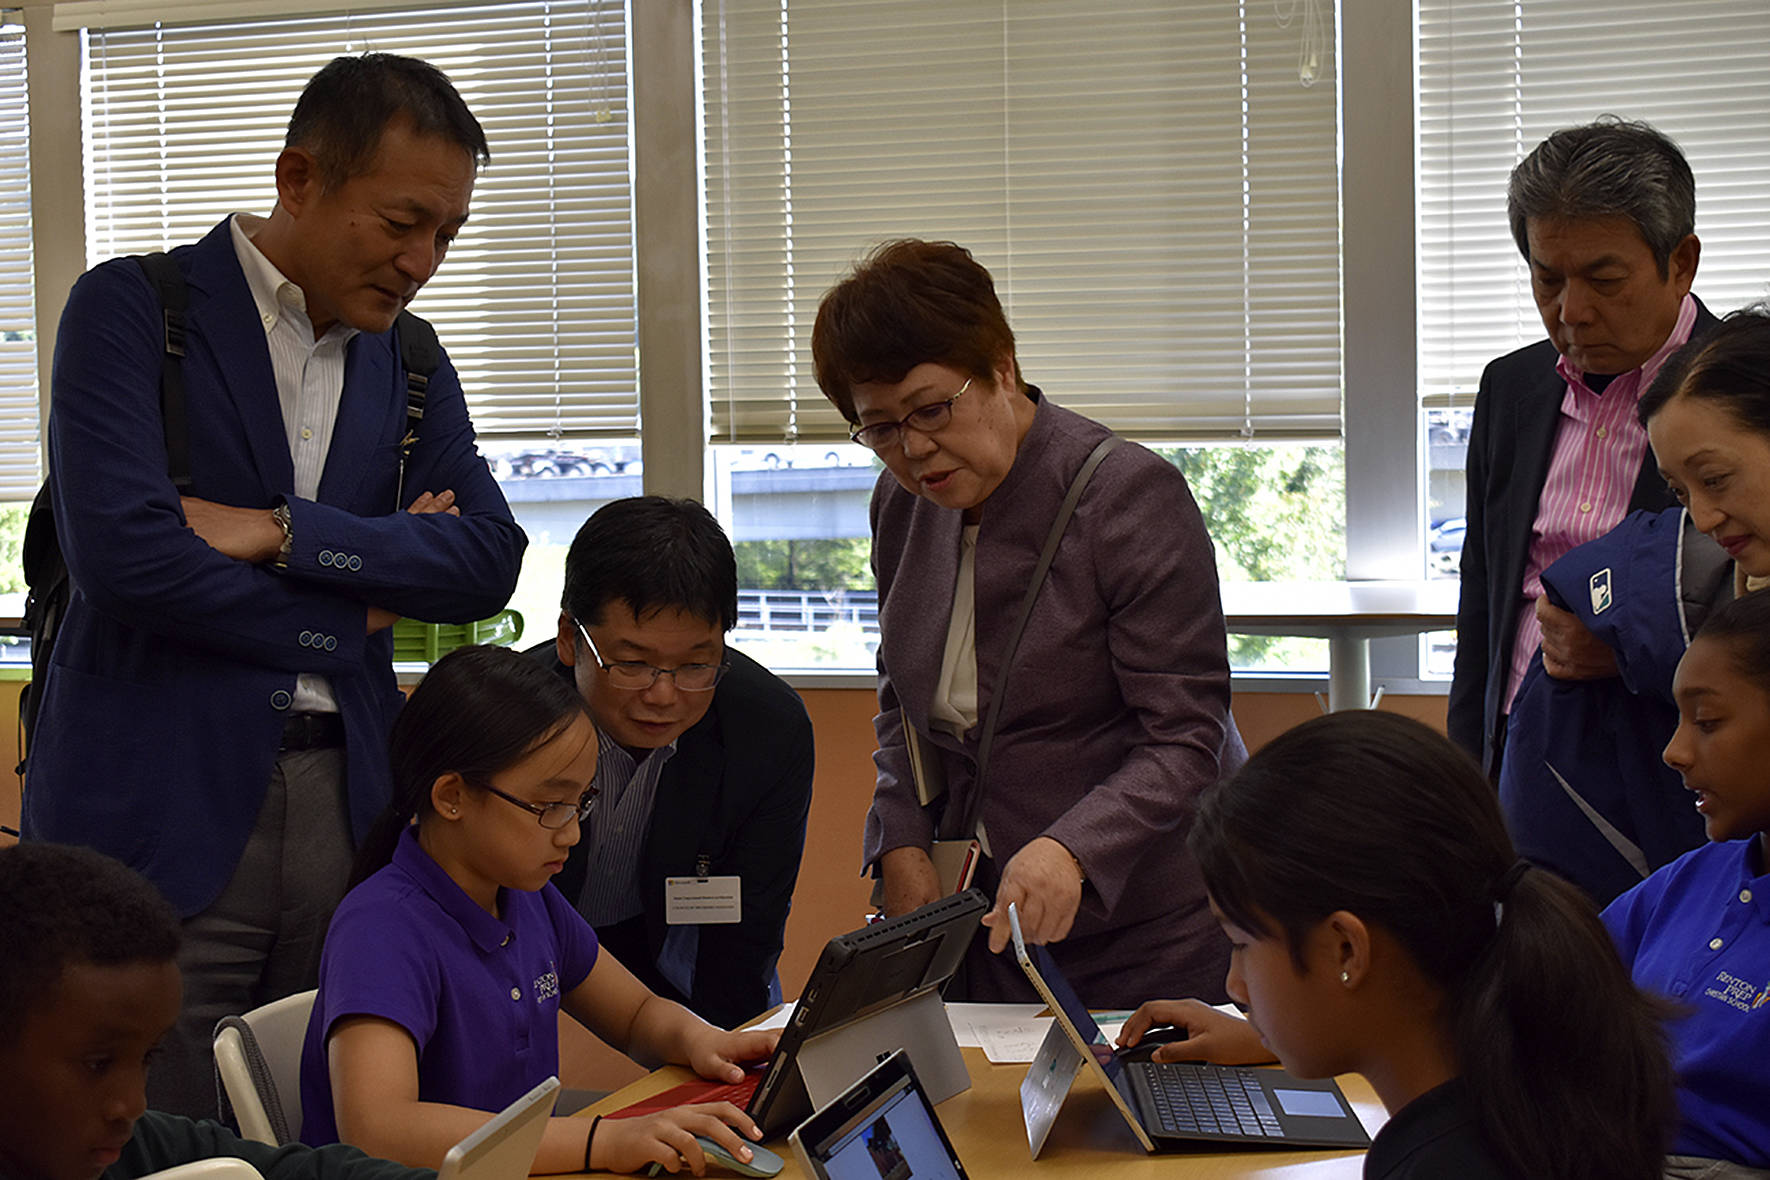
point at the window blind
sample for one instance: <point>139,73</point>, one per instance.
<point>535,303</point>
<point>20,472</point>
<point>1153,186</point>
<point>1497,76</point>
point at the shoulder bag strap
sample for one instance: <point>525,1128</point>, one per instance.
<point>986,739</point>
<point>419,354</point>
<point>168,280</point>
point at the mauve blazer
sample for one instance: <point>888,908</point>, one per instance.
<point>1117,712</point>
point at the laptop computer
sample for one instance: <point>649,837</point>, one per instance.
<point>1171,1106</point>
<point>504,1149</point>
<point>873,990</point>
<point>884,1125</point>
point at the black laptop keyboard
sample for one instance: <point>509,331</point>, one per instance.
<point>1191,1100</point>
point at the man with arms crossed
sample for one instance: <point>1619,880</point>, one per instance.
<point>686,867</point>
<point>1604,215</point>
<point>217,708</point>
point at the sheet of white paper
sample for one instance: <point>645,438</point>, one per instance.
<point>1007,1033</point>
<point>780,1018</point>
<point>1018,1043</point>
<point>972,1022</point>
<point>1011,1033</point>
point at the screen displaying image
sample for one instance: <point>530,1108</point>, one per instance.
<point>896,1141</point>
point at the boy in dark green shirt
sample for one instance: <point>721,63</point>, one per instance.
<point>88,985</point>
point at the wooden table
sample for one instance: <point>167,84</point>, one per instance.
<point>986,1128</point>
<point>1348,615</point>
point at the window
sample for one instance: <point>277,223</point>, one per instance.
<point>1154,187</point>
<point>1495,79</point>
<point>536,301</point>
<point>20,472</point>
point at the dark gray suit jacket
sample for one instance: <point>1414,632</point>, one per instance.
<point>1509,445</point>
<point>1117,713</point>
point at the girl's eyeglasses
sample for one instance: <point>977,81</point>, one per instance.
<point>551,816</point>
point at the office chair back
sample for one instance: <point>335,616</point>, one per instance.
<point>219,1168</point>
<point>258,1061</point>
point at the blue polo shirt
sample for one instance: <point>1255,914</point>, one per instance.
<point>1698,931</point>
<point>478,994</point>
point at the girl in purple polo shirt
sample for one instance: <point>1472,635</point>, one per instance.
<point>445,969</point>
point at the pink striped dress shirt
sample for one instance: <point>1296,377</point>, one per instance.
<point>1598,450</point>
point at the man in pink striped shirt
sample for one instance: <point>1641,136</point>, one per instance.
<point>1604,215</point>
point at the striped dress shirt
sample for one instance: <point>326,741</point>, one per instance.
<point>310,384</point>
<point>1598,450</point>
<point>614,835</point>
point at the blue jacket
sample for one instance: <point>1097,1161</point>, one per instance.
<point>1643,588</point>
<point>175,667</point>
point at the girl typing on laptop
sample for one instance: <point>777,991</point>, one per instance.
<point>1381,924</point>
<point>445,969</point>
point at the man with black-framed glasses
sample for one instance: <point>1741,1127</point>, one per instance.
<point>688,860</point>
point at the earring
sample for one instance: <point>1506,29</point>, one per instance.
<point>1346,978</point>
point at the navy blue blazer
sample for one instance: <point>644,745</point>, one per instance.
<point>1516,412</point>
<point>175,668</point>
<point>1643,588</point>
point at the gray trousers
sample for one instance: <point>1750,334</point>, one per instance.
<point>260,939</point>
<point>1693,1167</point>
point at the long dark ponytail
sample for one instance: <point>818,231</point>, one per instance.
<point>476,712</point>
<point>1563,1059</point>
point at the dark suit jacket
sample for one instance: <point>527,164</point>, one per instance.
<point>174,670</point>
<point>1118,711</point>
<point>737,791</point>
<point>1516,416</point>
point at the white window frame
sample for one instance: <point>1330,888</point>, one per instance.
<point>1384,453</point>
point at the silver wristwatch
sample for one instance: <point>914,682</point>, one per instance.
<point>280,514</point>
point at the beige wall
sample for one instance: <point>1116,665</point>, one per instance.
<point>831,896</point>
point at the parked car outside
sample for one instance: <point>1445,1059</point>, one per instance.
<point>1444,547</point>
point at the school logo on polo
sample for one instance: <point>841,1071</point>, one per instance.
<point>547,986</point>
<point>1763,995</point>
<point>1735,992</point>
<point>1601,600</point>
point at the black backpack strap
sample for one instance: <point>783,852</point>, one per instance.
<point>174,297</point>
<point>45,570</point>
<point>420,353</point>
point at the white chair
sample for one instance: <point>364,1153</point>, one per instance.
<point>278,1030</point>
<point>219,1168</point>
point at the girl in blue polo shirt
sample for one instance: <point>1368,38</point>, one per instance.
<point>1698,930</point>
<point>1380,923</point>
<point>445,969</point>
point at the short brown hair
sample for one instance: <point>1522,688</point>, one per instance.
<point>908,303</point>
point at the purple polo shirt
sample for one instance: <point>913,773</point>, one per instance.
<point>478,994</point>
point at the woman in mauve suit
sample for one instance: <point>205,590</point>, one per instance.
<point>1116,713</point>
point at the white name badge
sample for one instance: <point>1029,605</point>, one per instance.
<point>699,901</point>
